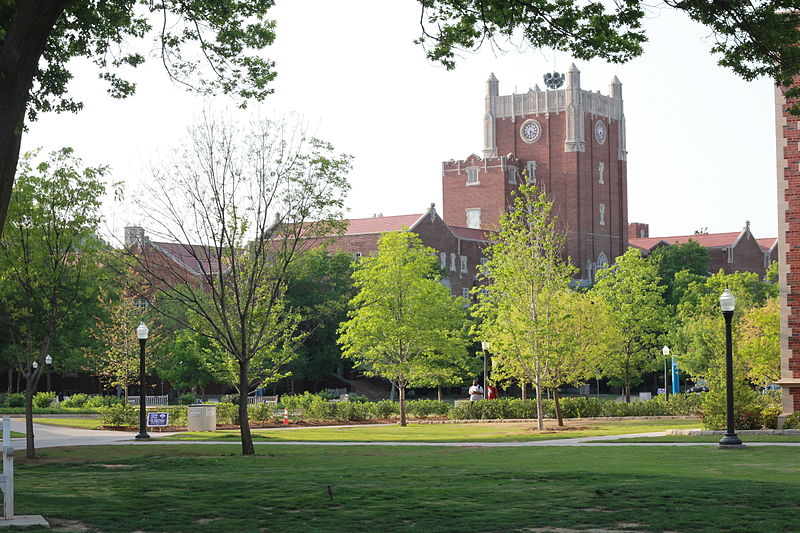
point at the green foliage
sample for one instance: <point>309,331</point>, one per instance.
<point>427,408</point>
<point>526,309</point>
<point>43,399</point>
<point>264,412</point>
<point>385,409</point>
<point>632,292</point>
<point>688,258</point>
<point>792,421</point>
<point>760,344</point>
<point>750,409</point>
<point>76,400</point>
<point>186,399</point>
<point>404,325</point>
<point>120,415</point>
<point>94,402</point>
<point>18,400</point>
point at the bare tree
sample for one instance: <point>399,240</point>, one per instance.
<point>235,206</point>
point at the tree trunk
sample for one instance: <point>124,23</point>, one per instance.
<point>10,381</point>
<point>439,393</point>
<point>524,388</point>
<point>539,407</point>
<point>244,422</point>
<point>29,391</point>
<point>557,402</point>
<point>31,24</point>
<point>401,387</point>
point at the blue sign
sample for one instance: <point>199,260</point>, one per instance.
<point>676,380</point>
<point>157,420</point>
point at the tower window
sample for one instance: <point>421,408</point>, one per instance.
<point>474,218</point>
<point>730,254</point>
<point>443,260</point>
<point>602,214</point>
<point>472,175</point>
<point>512,175</point>
<point>453,262</point>
<point>464,264</point>
<point>601,169</point>
<point>530,169</point>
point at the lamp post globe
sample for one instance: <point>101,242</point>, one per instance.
<point>142,333</point>
<point>727,303</point>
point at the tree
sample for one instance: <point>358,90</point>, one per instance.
<point>48,259</point>
<point>320,286</point>
<point>752,38</point>
<point>403,322</point>
<point>760,345</point>
<point>239,203</point>
<point>39,39</point>
<point>525,274</point>
<point>689,257</point>
<point>584,333</point>
<point>631,290</point>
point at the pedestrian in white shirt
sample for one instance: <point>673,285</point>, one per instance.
<point>475,392</point>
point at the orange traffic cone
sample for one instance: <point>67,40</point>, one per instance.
<point>285,417</point>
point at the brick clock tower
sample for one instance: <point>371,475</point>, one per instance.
<point>568,141</point>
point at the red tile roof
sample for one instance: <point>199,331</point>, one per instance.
<point>380,224</point>
<point>767,244</point>
<point>645,243</point>
<point>472,233</point>
<point>191,257</point>
<point>706,240</point>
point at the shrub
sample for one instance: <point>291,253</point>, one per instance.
<point>120,415</point>
<point>186,399</point>
<point>384,409</point>
<point>103,401</point>
<point>792,421</point>
<point>747,406</point>
<point>227,413</point>
<point>16,399</point>
<point>297,402</point>
<point>77,400</point>
<point>262,412</point>
<point>426,408</point>
<point>43,399</point>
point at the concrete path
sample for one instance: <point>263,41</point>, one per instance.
<point>50,436</point>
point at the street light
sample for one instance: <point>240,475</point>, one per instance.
<point>49,362</point>
<point>142,332</point>
<point>485,348</point>
<point>728,303</point>
<point>665,351</point>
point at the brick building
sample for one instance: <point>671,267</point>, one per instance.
<point>459,249</point>
<point>570,142</point>
<point>736,251</point>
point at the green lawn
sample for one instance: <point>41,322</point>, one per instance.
<point>490,432</point>
<point>713,438</point>
<point>83,423</point>
<point>211,488</point>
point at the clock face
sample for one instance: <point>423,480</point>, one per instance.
<point>600,131</point>
<point>530,131</point>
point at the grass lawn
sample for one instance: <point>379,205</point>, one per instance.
<point>82,423</point>
<point>490,432</point>
<point>211,488</point>
<point>713,438</point>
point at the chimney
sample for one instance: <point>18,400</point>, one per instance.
<point>133,234</point>
<point>638,230</point>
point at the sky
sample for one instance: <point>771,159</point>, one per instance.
<point>701,141</point>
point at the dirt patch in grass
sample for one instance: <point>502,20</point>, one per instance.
<point>560,429</point>
<point>113,467</point>
<point>68,525</point>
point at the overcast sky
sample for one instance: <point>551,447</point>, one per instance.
<point>701,142</point>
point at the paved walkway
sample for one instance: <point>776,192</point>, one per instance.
<point>50,436</point>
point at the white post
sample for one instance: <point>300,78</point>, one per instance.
<point>8,485</point>
<point>6,432</point>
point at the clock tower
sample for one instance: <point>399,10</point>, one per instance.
<point>566,140</point>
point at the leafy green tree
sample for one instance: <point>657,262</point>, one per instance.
<point>48,252</point>
<point>689,257</point>
<point>752,38</point>
<point>241,202</point>
<point>403,323</point>
<point>632,291</point>
<point>699,336</point>
<point>320,286</point>
<point>40,39</point>
<point>525,273</point>
<point>760,343</point>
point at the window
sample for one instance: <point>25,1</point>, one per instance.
<point>472,175</point>
<point>512,175</point>
<point>530,169</point>
<point>641,233</point>
<point>357,255</point>
<point>445,282</point>
<point>453,262</point>
<point>484,260</point>
<point>464,264</point>
<point>443,260</point>
<point>602,214</point>
<point>730,254</point>
<point>141,303</point>
<point>602,261</point>
<point>474,218</point>
<point>601,169</point>
<point>465,292</point>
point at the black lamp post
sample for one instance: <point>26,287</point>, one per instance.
<point>142,332</point>
<point>49,362</point>
<point>728,304</point>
